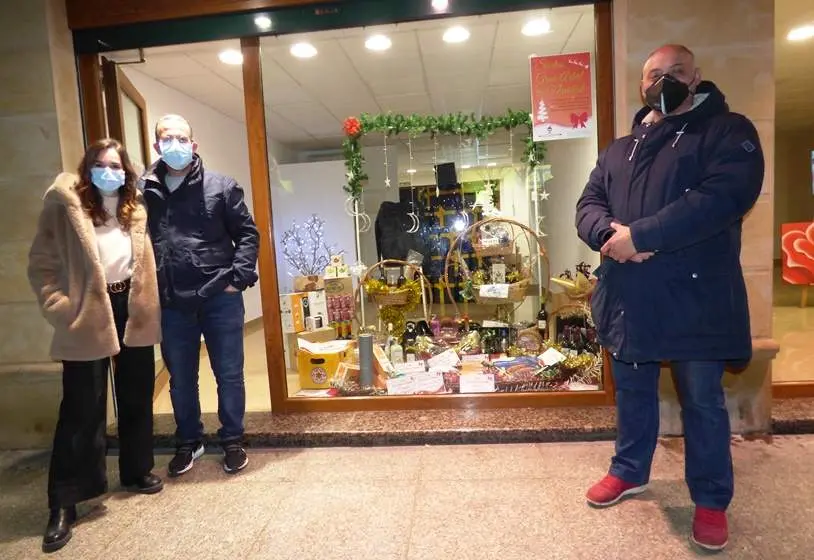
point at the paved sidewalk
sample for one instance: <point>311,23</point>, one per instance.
<point>458,502</point>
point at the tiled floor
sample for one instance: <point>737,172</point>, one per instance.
<point>521,502</point>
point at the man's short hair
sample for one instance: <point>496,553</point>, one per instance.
<point>679,48</point>
<point>170,117</point>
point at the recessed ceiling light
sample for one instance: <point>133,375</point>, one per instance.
<point>802,33</point>
<point>456,34</point>
<point>303,50</point>
<point>411,171</point>
<point>231,56</point>
<point>537,27</point>
<point>491,164</point>
<point>263,23</point>
<point>378,43</point>
<point>440,5</point>
<point>466,166</point>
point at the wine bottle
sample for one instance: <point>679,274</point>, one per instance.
<point>402,279</point>
<point>542,322</point>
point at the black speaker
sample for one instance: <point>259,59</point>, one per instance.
<point>445,175</point>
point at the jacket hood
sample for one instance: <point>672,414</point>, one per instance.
<point>63,190</point>
<point>708,102</point>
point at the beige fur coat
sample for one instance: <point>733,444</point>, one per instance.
<point>67,276</point>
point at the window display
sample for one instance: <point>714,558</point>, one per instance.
<point>458,177</point>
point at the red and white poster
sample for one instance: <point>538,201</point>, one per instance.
<point>797,242</point>
<point>562,97</point>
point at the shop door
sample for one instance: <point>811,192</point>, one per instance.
<point>126,114</point>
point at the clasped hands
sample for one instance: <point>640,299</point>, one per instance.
<point>620,246</point>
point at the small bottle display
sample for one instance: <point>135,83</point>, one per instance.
<point>435,326</point>
<point>402,279</point>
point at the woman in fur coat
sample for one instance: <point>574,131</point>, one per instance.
<point>92,268</point>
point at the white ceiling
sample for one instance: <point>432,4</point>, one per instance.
<point>307,99</point>
<point>794,66</point>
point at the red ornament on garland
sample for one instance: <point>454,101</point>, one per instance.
<point>352,127</point>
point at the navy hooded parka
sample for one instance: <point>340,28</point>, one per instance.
<point>683,186</point>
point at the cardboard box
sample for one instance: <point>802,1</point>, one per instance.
<point>339,286</point>
<point>325,334</point>
<point>318,306</point>
<point>292,312</point>
<point>317,362</point>
<point>308,283</point>
<point>331,271</point>
<point>343,271</point>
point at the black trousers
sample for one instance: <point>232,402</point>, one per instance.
<point>78,471</point>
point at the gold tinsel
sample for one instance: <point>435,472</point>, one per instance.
<point>395,313</point>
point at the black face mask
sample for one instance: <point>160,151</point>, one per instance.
<point>666,94</point>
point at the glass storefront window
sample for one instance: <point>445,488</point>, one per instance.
<point>411,206</point>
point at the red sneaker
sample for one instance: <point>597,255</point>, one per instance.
<point>710,530</point>
<point>610,490</point>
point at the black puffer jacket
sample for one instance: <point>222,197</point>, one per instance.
<point>204,237</point>
<point>683,187</point>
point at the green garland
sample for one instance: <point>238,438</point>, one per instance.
<point>415,125</point>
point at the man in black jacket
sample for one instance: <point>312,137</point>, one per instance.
<point>665,206</point>
<point>206,254</point>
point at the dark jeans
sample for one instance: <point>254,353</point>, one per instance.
<point>220,320</point>
<point>708,459</point>
<point>78,471</point>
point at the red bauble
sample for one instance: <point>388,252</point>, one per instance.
<point>352,126</point>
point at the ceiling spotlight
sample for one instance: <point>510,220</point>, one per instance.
<point>802,33</point>
<point>378,43</point>
<point>491,164</point>
<point>411,171</point>
<point>303,50</point>
<point>263,23</point>
<point>231,56</point>
<point>456,34</point>
<point>537,27</point>
<point>440,5</point>
<point>466,166</point>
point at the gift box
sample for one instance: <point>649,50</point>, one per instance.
<point>308,283</point>
<point>292,311</point>
<point>325,334</point>
<point>317,362</point>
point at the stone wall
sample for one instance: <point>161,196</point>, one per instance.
<point>39,114</point>
<point>733,41</point>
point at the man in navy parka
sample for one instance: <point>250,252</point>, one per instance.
<point>665,207</point>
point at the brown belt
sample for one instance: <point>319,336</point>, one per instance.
<point>118,287</point>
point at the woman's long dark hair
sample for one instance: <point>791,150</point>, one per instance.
<point>90,196</point>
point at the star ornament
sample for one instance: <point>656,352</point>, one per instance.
<point>545,195</point>
<point>387,182</point>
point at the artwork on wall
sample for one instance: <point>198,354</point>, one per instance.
<point>797,242</point>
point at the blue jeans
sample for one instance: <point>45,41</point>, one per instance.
<point>707,456</point>
<point>220,320</point>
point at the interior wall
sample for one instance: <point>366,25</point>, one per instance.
<point>794,193</point>
<point>221,142</point>
<point>301,190</point>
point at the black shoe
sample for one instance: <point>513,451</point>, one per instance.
<point>148,484</point>
<point>234,458</point>
<point>185,456</point>
<point>58,531</point>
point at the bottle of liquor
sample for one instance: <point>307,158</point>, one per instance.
<point>542,322</point>
<point>402,279</point>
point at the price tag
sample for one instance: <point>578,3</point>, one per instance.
<point>429,382</point>
<point>551,357</point>
<point>444,361</point>
<point>474,358</point>
<point>478,383</point>
<point>494,291</point>
<point>401,385</point>
<point>410,368</point>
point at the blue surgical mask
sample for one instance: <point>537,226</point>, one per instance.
<point>106,179</point>
<point>176,154</point>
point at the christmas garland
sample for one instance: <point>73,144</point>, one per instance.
<point>414,125</point>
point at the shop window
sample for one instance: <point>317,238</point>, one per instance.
<point>424,178</point>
